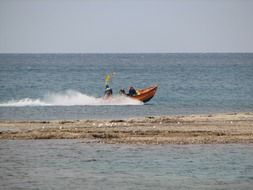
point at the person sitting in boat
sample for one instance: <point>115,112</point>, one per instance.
<point>108,91</point>
<point>132,91</point>
<point>122,92</point>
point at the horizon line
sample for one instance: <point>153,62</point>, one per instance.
<point>239,52</point>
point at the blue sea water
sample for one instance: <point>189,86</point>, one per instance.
<point>74,164</point>
<point>68,86</point>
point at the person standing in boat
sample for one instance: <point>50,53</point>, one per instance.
<point>132,91</point>
<point>108,91</point>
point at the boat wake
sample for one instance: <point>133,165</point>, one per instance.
<point>71,98</point>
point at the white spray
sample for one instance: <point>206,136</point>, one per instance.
<point>71,98</point>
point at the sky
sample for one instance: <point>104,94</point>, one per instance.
<point>126,26</point>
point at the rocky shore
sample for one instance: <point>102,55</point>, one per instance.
<point>191,129</point>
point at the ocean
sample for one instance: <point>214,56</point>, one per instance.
<point>76,164</point>
<point>70,86</point>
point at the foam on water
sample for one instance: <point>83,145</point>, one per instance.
<point>71,98</point>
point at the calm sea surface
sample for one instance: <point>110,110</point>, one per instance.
<point>72,164</point>
<point>68,86</point>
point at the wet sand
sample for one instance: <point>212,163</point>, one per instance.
<point>191,129</point>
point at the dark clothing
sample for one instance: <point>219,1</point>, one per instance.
<point>108,92</point>
<point>132,92</point>
<point>122,91</point>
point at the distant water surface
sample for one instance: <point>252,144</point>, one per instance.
<point>72,164</point>
<point>69,86</point>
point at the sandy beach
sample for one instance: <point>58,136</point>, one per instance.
<point>191,129</point>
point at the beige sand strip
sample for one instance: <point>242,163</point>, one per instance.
<point>193,129</point>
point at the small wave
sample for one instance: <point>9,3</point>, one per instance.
<point>71,98</point>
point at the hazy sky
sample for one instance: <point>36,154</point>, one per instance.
<point>90,26</point>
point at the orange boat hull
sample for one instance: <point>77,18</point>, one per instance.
<point>145,94</point>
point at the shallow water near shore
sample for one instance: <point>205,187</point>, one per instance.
<point>82,164</point>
